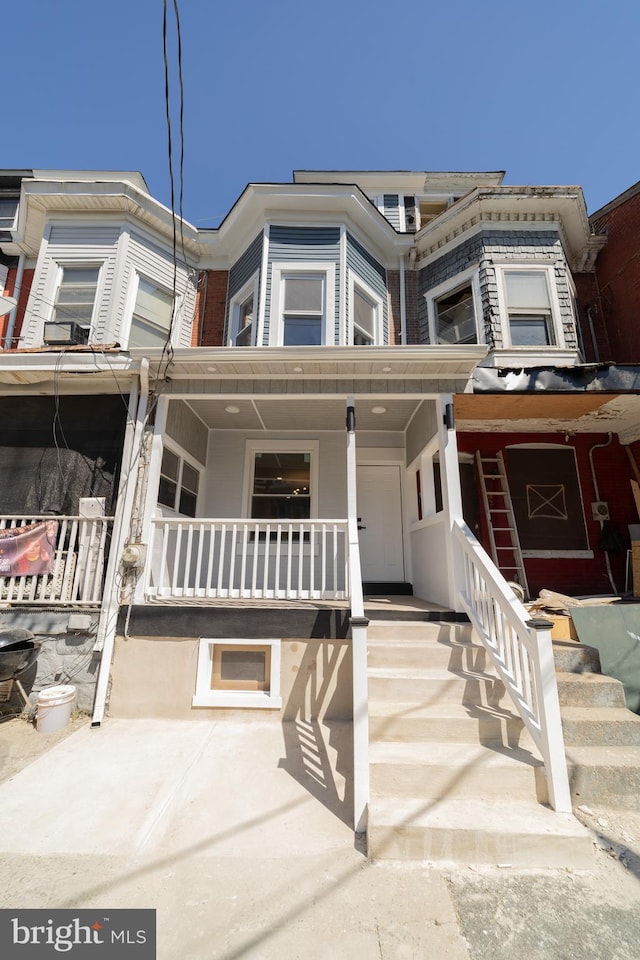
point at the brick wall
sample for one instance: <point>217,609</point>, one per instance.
<point>618,276</point>
<point>613,470</point>
<point>27,280</point>
<point>211,305</point>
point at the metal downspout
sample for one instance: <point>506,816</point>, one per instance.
<point>403,304</point>
<point>16,296</point>
<point>105,638</point>
<point>600,446</point>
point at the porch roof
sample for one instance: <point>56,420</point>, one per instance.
<point>317,370</point>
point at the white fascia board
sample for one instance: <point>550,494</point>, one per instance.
<point>101,197</point>
<point>316,203</point>
<point>514,204</point>
<point>29,367</point>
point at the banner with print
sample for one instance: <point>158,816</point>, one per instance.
<point>29,550</point>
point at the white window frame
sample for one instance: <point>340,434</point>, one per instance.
<point>10,227</point>
<point>280,446</point>
<point>376,301</point>
<point>548,270</point>
<point>250,288</point>
<point>469,277</point>
<point>60,267</point>
<point>133,298</point>
<point>279,272</point>
<point>258,699</point>
<point>183,457</point>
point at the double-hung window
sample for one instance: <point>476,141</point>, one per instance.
<point>76,295</point>
<point>179,482</point>
<point>302,304</point>
<point>529,308</point>
<point>8,213</point>
<point>281,486</point>
<point>366,313</point>
<point>454,308</point>
<point>151,320</point>
<point>243,314</point>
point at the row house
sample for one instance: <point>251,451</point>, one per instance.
<point>359,385</point>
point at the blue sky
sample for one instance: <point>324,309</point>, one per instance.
<point>545,90</point>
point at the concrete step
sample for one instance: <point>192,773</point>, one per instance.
<point>443,770</point>
<point>521,834</point>
<point>600,726</point>
<point>589,690</point>
<point>393,630</point>
<point>426,653</point>
<point>429,686</point>
<point>608,776</point>
<point>571,656</point>
<point>445,722</point>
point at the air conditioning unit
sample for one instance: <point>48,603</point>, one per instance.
<point>600,510</point>
<point>65,333</point>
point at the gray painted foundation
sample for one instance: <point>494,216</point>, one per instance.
<point>66,656</point>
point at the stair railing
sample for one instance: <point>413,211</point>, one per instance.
<point>522,653</point>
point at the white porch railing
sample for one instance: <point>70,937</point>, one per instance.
<point>250,559</point>
<point>522,655</point>
<point>76,566</point>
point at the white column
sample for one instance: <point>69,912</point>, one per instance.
<point>451,495</point>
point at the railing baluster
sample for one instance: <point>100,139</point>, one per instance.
<point>196,585</point>
<point>208,590</point>
<point>276,585</point>
<point>323,562</point>
<point>245,538</point>
<point>221,559</point>
<point>289,557</point>
<point>232,570</point>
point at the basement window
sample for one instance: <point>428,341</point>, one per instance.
<point>238,673</point>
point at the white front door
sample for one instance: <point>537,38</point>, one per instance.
<point>380,513</point>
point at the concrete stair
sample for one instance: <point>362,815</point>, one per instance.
<point>602,737</point>
<point>454,775</point>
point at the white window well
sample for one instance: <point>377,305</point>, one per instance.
<point>238,673</point>
<point>302,304</point>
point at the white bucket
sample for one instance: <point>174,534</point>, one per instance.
<point>54,708</point>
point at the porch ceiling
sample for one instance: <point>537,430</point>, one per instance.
<point>550,413</point>
<point>320,413</point>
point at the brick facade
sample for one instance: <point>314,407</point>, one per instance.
<point>618,275</point>
<point>211,306</point>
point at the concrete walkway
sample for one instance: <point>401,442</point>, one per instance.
<point>212,825</point>
<point>204,822</point>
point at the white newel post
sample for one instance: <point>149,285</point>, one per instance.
<point>451,497</point>
<point>551,733</point>
<point>359,625</point>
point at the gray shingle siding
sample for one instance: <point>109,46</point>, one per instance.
<point>240,273</point>
<point>303,245</point>
<point>502,246</point>
<point>365,266</point>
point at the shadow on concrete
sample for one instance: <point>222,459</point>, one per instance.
<point>317,727</point>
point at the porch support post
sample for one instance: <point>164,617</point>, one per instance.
<point>150,498</point>
<point>121,525</point>
<point>451,496</point>
<point>359,625</point>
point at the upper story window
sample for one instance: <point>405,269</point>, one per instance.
<point>302,301</point>
<point>455,317</point>
<point>8,212</point>
<point>303,313</point>
<point>76,295</point>
<point>243,315</point>
<point>366,313</point>
<point>151,320</point>
<point>529,308</point>
<point>454,308</point>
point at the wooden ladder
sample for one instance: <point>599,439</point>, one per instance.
<point>501,521</point>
